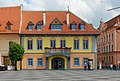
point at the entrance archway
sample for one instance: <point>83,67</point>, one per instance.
<point>58,63</point>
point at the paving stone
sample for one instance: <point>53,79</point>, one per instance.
<point>60,75</point>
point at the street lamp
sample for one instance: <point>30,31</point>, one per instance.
<point>113,8</point>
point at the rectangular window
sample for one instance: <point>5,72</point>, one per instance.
<point>30,45</point>
<point>62,43</point>
<point>39,26</point>
<point>53,43</point>
<point>76,44</point>
<point>109,48</point>
<point>9,27</point>
<point>112,48</point>
<point>39,44</point>
<point>109,38</point>
<point>30,27</point>
<point>56,27</point>
<point>76,62</point>
<point>85,44</point>
<point>30,61</point>
<point>73,26</point>
<point>112,36</point>
<point>82,27</point>
<point>39,61</point>
<point>85,60</point>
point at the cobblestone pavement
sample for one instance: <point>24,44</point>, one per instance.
<point>60,75</point>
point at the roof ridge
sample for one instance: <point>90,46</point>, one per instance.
<point>9,7</point>
<point>42,11</point>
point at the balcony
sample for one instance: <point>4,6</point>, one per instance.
<point>58,51</point>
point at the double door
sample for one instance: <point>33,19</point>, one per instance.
<point>57,63</point>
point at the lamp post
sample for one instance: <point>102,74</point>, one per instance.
<point>113,8</point>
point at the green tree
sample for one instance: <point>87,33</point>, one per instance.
<point>16,52</point>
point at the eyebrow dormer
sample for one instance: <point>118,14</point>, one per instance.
<point>9,25</point>
<point>56,25</point>
<point>30,25</point>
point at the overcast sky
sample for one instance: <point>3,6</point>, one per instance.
<point>90,11</point>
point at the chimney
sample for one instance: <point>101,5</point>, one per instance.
<point>44,18</point>
<point>67,18</point>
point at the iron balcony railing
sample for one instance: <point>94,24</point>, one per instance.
<point>65,50</point>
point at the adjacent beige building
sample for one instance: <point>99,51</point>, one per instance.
<point>9,30</point>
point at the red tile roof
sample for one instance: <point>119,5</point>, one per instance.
<point>35,16</point>
<point>10,15</point>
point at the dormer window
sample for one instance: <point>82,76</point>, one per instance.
<point>73,25</point>
<point>9,25</point>
<point>82,26</point>
<point>56,25</point>
<point>39,25</point>
<point>30,26</point>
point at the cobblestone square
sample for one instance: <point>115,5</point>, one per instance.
<point>60,75</point>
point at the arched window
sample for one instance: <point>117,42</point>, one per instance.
<point>62,42</point>
<point>53,42</point>
<point>85,43</point>
<point>29,43</point>
<point>39,43</point>
<point>76,43</point>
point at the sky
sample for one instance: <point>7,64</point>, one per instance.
<point>91,11</point>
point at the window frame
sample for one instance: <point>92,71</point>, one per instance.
<point>86,47</point>
<point>82,26</point>
<point>62,43</point>
<point>83,62</point>
<point>74,62</point>
<point>41,44</point>
<point>32,62</point>
<point>73,26</point>
<point>39,26</point>
<point>30,26</point>
<point>54,43</point>
<point>40,61</point>
<point>56,26</point>
<point>31,48</point>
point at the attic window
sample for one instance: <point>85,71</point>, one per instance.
<point>30,26</point>
<point>82,25</point>
<point>73,25</point>
<point>39,25</point>
<point>56,25</point>
<point>9,25</point>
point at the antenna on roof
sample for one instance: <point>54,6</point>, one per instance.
<point>68,8</point>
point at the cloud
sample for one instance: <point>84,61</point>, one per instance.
<point>90,11</point>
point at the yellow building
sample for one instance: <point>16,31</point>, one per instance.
<point>57,40</point>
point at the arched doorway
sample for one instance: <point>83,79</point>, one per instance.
<point>58,63</point>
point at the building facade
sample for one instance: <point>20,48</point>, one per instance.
<point>51,39</point>
<point>57,40</point>
<point>9,30</point>
<point>108,43</point>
